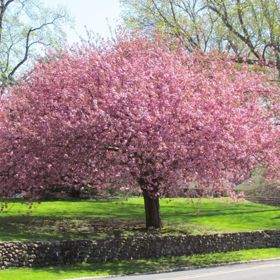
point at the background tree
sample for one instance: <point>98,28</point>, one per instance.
<point>25,27</point>
<point>255,24</point>
<point>188,20</point>
<point>140,111</point>
<point>244,28</point>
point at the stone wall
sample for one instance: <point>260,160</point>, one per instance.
<point>274,201</point>
<point>46,253</point>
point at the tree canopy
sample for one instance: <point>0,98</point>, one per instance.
<point>137,109</point>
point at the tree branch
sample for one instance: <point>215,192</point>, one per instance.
<point>224,17</point>
<point>28,45</point>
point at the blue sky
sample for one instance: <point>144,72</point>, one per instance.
<point>95,14</point>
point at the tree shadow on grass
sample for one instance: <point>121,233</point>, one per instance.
<point>21,228</point>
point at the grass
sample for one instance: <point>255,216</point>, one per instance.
<point>95,219</point>
<point>135,266</point>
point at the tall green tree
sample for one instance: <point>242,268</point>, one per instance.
<point>246,28</point>
<point>188,20</point>
<point>26,26</point>
<point>254,24</point>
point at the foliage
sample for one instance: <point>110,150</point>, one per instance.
<point>254,25</point>
<point>188,20</point>
<point>26,27</point>
<point>136,266</point>
<point>248,29</point>
<point>137,110</point>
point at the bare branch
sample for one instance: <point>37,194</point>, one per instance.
<point>28,44</point>
<point>8,3</point>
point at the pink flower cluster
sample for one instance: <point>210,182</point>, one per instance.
<point>140,111</point>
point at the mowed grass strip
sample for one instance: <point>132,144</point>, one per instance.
<point>136,266</point>
<point>97,219</point>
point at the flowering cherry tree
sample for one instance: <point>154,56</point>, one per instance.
<point>138,110</point>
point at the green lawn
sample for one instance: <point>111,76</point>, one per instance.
<point>135,266</point>
<point>94,219</point>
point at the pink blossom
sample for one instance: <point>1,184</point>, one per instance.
<point>139,110</point>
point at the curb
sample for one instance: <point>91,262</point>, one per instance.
<point>187,268</point>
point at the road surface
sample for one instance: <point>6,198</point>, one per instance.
<point>268,270</point>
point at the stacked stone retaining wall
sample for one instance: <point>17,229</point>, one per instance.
<point>49,253</point>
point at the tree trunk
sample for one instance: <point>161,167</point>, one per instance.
<point>278,66</point>
<point>152,210</point>
<point>75,193</point>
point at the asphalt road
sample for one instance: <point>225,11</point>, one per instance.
<point>268,270</point>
